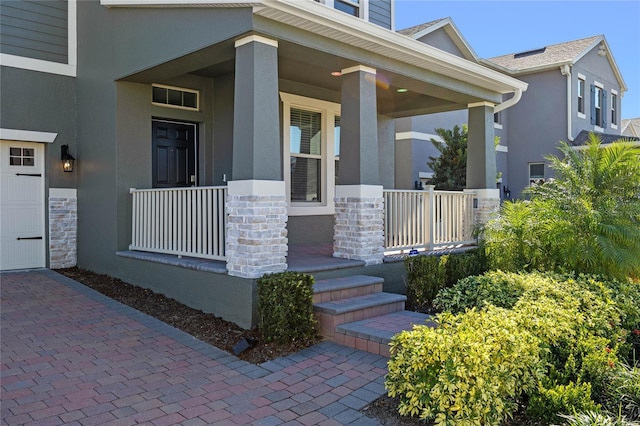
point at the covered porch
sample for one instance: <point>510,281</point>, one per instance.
<point>296,143</point>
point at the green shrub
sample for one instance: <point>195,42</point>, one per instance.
<point>427,275</point>
<point>624,391</point>
<point>594,418</point>
<point>285,306</point>
<point>496,288</point>
<point>467,371</point>
<point>554,399</point>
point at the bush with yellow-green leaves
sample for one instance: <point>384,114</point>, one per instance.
<point>554,342</point>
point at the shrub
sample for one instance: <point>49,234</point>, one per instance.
<point>624,391</point>
<point>555,399</point>
<point>468,370</point>
<point>285,306</point>
<point>427,275</point>
<point>594,418</point>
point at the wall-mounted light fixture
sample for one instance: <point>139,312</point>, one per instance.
<point>67,159</point>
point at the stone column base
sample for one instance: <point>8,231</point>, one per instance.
<point>256,228</point>
<point>486,204</point>
<point>359,223</point>
<point>63,228</point>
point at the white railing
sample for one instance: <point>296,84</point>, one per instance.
<point>427,219</point>
<point>181,221</point>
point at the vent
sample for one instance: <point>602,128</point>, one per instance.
<point>529,53</point>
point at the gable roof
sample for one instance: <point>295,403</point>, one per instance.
<point>554,56</point>
<point>447,24</point>
<point>631,127</point>
<point>583,138</point>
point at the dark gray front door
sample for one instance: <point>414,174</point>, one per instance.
<point>174,154</point>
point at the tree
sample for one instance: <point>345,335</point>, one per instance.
<point>450,168</point>
<point>586,220</point>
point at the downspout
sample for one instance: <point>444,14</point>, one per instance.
<point>566,70</point>
<point>509,102</point>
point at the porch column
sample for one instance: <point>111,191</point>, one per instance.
<point>359,216</point>
<point>256,204</point>
<point>481,161</point>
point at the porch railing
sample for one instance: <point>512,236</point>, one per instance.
<point>180,221</point>
<point>427,219</point>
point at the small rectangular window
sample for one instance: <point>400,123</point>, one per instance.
<point>536,173</point>
<point>614,105</point>
<point>581,96</point>
<point>175,97</point>
<point>22,157</point>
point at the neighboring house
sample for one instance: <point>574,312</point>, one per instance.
<point>287,107</point>
<point>574,88</point>
<point>631,127</point>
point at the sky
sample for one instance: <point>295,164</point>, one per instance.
<point>494,28</point>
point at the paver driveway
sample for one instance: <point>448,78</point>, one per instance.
<point>73,356</point>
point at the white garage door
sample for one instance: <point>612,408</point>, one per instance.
<point>22,236</point>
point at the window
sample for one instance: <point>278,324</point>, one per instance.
<point>311,136</point>
<point>497,120</point>
<point>536,173</point>
<point>580,95</point>
<point>598,106</point>
<point>175,97</point>
<point>614,109</point>
<point>352,7</point>
<point>22,157</point>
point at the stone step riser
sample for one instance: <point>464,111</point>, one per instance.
<point>362,343</point>
<point>333,295</point>
<point>327,322</point>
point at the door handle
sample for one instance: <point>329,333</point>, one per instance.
<point>28,238</point>
<point>29,174</point>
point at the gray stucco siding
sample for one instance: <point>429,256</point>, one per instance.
<point>441,40</point>
<point>37,29</point>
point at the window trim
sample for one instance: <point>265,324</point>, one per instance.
<point>181,89</point>
<point>535,163</point>
<point>581,95</point>
<point>329,111</point>
<point>614,109</point>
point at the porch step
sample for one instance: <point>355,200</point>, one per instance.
<point>374,334</point>
<point>346,287</point>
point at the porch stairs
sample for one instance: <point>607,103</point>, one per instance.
<point>354,311</point>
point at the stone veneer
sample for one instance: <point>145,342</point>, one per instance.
<point>488,204</point>
<point>256,228</point>
<point>63,228</point>
<point>359,223</point>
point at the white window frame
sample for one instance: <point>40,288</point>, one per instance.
<point>614,109</point>
<point>329,111</point>
<point>362,5</point>
<point>583,79</point>
<point>537,178</point>
<point>598,99</point>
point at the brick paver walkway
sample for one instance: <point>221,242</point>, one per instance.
<point>72,356</point>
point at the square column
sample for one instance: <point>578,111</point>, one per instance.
<point>481,162</point>
<point>481,152</point>
<point>256,228</point>
<point>359,151</point>
<point>256,117</point>
<point>359,223</point>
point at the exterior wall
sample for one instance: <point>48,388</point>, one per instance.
<point>442,41</point>
<point>535,125</point>
<point>380,13</point>
<point>310,229</point>
<point>594,68</point>
<point>35,29</point>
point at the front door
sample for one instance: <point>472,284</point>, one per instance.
<point>174,154</point>
<point>22,239</point>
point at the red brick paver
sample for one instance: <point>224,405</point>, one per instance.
<point>71,355</point>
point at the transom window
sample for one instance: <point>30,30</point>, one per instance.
<point>22,157</point>
<point>175,97</point>
<point>311,137</point>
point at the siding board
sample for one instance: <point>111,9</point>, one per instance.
<point>35,29</point>
<point>380,13</point>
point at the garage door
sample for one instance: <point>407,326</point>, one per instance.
<point>21,205</point>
